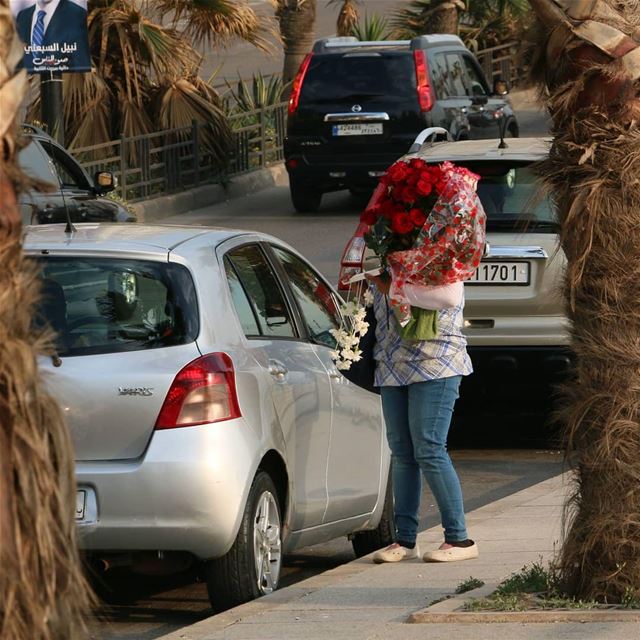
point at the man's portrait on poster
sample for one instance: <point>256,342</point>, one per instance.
<point>54,33</point>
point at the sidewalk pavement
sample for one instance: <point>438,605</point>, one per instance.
<point>364,601</point>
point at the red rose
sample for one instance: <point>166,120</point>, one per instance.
<point>417,163</point>
<point>398,172</point>
<point>401,223</point>
<point>370,216</point>
<point>424,187</point>
<point>392,209</point>
<point>388,208</point>
<point>413,178</point>
<point>417,217</point>
<point>408,195</point>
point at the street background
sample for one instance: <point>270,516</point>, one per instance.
<point>145,608</point>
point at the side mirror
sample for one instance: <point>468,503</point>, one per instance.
<point>104,182</point>
<point>500,88</point>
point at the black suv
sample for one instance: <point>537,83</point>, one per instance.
<point>72,193</point>
<point>356,107</point>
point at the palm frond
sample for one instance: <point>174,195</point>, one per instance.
<point>186,101</point>
<point>87,109</point>
<point>217,22</point>
<point>374,27</point>
<point>263,91</point>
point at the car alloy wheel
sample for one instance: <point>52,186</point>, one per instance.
<point>251,568</point>
<point>267,545</point>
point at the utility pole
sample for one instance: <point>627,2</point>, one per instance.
<point>51,104</point>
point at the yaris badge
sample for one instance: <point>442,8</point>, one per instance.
<point>135,391</point>
<point>356,108</point>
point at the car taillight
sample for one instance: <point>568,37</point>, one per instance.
<point>354,251</point>
<point>425,97</point>
<point>296,87</point>
<point>352,259</point>
<point>204,391</point>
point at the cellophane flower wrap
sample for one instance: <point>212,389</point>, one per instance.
<point>427,226</point>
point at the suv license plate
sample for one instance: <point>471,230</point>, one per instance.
<point>502,273</point>
<point>81,503</point>
<point>371,129</point>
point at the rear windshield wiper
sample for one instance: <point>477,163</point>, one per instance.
<point>522,224</point>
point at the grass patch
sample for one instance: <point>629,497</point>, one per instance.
<point>537,587</point>
<point>469,584</point>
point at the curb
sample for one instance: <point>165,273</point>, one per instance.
<point>157,209</point>
<point>221,621</point>
<point>450,611</point>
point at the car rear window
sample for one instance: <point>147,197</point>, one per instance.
<point>113,305</point>
<point>355,76</point>
<point>513,197</point>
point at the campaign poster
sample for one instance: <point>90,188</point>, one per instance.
<point>54,33</point>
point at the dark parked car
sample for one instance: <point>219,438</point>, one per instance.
<point>355,107</point>
<point>73,191</point>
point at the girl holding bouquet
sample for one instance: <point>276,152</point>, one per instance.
<point>427,227</point>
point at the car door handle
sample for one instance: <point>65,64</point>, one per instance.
<point>479,324</point>
<point>277,370</point>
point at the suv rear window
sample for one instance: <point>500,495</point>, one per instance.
<point>113,305</point>
<point>513,198</point>
<point>350,76</point>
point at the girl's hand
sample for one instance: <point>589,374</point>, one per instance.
<point>382,283</point>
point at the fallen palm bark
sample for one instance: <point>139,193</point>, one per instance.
<point>43,594</point>
<point>586,60</point>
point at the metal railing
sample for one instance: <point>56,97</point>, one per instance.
<point>174,160</point>
<point>500,63</point>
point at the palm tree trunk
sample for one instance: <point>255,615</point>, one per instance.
<point>347,18</point>
<point>43,594</point>
<point>587,59</point>
<point>297,27</point>
<point>444,16</point>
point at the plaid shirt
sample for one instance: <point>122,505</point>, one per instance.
<point>401,362</point>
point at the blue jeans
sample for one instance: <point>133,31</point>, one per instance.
<point>418,417</point>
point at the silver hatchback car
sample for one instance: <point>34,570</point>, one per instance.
<point>209,421</point>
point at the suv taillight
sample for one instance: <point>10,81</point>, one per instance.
<point>204,391</point>
<point>425,97</point>
<point>296,87</point>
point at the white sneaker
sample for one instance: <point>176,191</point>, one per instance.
<point>452,554</point>
<point>395,553</point>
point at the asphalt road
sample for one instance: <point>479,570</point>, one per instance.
<point>154,607</point>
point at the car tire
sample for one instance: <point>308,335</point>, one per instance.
<point>383,535</point>
<point>305,198</point>
<point>251,568</point>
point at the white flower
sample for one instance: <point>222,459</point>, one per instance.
<point>368,298</point>
<point>349,334</point>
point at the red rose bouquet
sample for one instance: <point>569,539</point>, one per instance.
<point>427,226</point>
